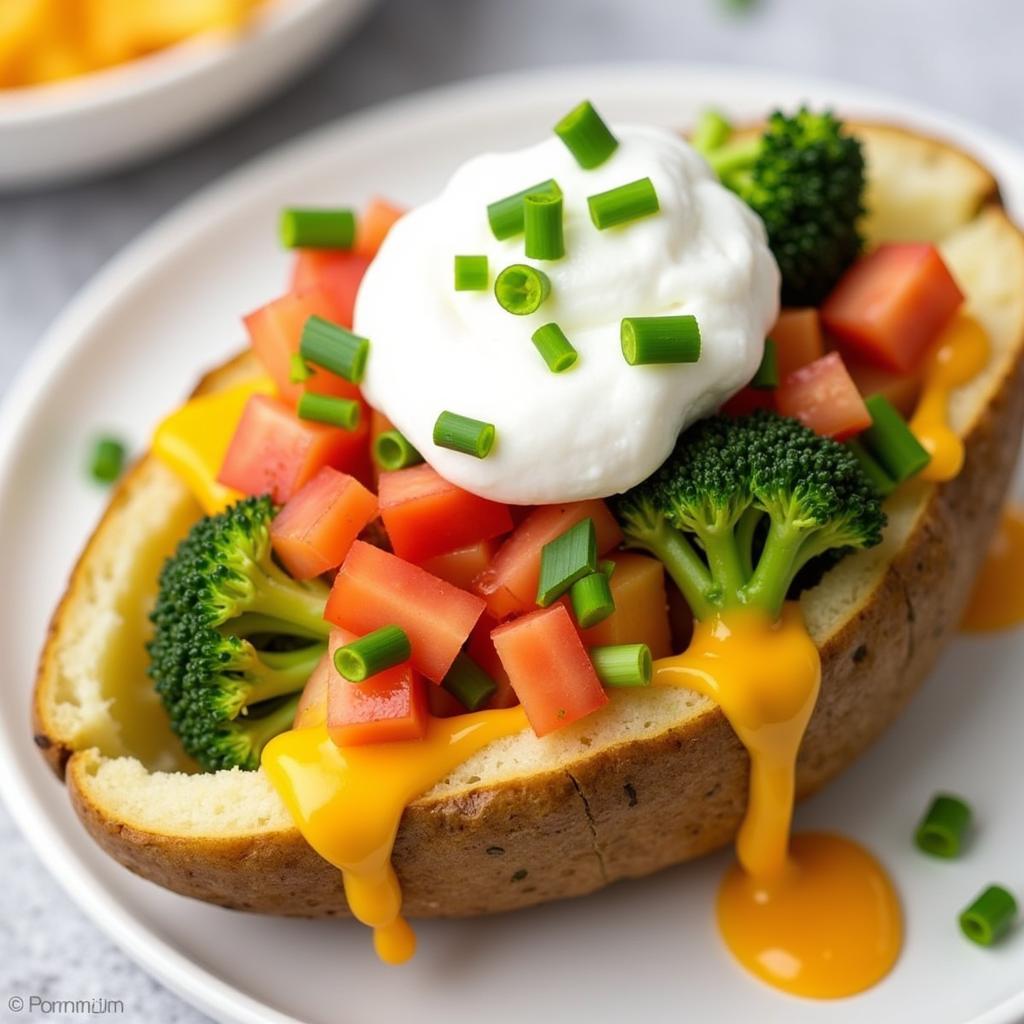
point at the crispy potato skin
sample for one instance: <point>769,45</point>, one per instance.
<point>630,809</point>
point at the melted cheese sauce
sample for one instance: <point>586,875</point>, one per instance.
<point>961,354</point>
<point>997,601</point>
<point>348,803</point>
<point>817,917</point>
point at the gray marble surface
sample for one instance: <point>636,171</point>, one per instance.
<point>959,55</point>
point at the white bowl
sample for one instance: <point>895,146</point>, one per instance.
<point>56,133</point>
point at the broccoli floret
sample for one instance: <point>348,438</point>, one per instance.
<point>804,176</point>
<point>743,504</point>
<point>235,638</point>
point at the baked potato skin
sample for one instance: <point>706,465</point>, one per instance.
<point>629,809</point>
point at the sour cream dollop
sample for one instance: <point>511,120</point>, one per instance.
<point>604,425</point>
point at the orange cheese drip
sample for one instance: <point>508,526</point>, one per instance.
<point>818,918</point>
<point>997,601</point>
<point>961,354</point>
<point>348,803</point>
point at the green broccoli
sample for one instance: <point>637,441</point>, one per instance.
<point>762,496</point>
<point>235,638</point>
<point>804,176</point>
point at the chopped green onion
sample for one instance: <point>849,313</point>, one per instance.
<point>391,450</point>
<point>107,461</point>
<point>471,273</point>
<point>660,339</point>
<point>542,223</point>
<point>334,348</point>
<point>555,348</point>
<point>873,470</point>
<point>566,559</point>
<point>463,434</point>
<point>521,289</point>
<point>735,157</point>
<point>767,376</point>
<point>623,204</point>
<point>623,664</point>
<point>382,649</point>
<point>586,136</point>
<point>990,916</point>
<point>317,229</point>
<point>892,442</point>
<point>338,412</point>
<point>298,371</point>
<point>506,215</point>
<point>711,132</point>
<point>607,566</point>
<point>941,832</point>
<point>591,599</point>
<point>468,683</point>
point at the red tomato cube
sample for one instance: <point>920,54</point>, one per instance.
<point>388,707</point>
<point>798,340</point>
<point>334,273</point>
<point>274,452</point>
<point>315,529</point>
<point>374,224</point>
<point>461,567</point>
<point>375,588</point>
<point>425,515</point>
<point>549,668</point>
<point>312,707</point>
<point>891,305</point>
<point>822,396</point>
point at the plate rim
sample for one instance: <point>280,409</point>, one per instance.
<point>198,986</point>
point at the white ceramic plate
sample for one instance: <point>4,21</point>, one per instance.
<point>132,344</point>
<point>67,130</point>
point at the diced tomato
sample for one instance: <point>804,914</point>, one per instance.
<point>641,607</point>
<point>902,389</point>
<point>480,648</point>
<point>274,452</point>
<point>312,707</point>
<point>275,332</point>
<point>509,585</point>
<point>798,340</point>
<point>315,529</point>
<point>374,224</point>
<point>462,566</point>
<point>425,515</point>
<point>442,704</point>
<point>550,669</point>
<point>334,273</point>
<point>822,396</point>
<point>891,305</point>
<point>387,707</point>
<point>744,402</point>
<point>375,588</point>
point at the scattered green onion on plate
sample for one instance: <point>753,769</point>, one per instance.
<point>106,463</point>
<point>942,829</point>
<point>990,916</point>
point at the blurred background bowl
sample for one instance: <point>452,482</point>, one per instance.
<point>53,134</point>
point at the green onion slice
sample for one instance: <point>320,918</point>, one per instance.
<point>317,229</point>
<point>298,370</point>
<point>542,223</point>
<point>767,376</point>
<point>391,450</point>
<point>506,215</point>
<point>468,683</point>
<point>942,829</point>
<point>555,348</point>
<point>334,348</point>
<point>711,132</point>
<point>660,339</point>
<point>463,434</point>
<point>623,204</point>
<point>872,468</point>
<point>382,649</point>
<point>607,566</point>
<point>990,916</point>
<point>338,412</point>
<point>520,289</point>
<point>566,559</point>
<point>591,599</point>
<point>586,136</point>
<point>471,273</point>
<point>623,664</point>
<point>890,440</point>
<point>107,461</point>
